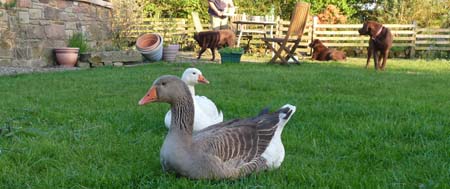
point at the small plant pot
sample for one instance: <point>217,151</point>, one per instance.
<point>84,57</point>
<point>66,57</point>
<point>170,52</point>
<point>230,57</point>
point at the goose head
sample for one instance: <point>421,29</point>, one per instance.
<point>193,76</point>
<point>168,88</point>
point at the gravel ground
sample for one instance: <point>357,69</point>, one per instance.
<point>21,70</point>
<point>189,57</point>
<point>183,57</point>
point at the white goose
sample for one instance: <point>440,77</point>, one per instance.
<point>230,149</point>
<point>206,112</point>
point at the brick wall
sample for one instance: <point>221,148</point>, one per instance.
<point>30,30</point>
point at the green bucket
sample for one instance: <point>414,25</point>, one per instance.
<point>230,57</point>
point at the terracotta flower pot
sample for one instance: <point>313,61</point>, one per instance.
<point>66,57</point>
<point>155,54</point>
<point>148,42</point>
<point>150,46</point>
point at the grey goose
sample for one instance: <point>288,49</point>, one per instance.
<point>230,149</point>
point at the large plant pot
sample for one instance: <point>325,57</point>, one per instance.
<point>230,57</point>
<point>148,42</point>
<point>150,46</point>
<point>66,57</point>
<point>170,52</point>
<point>155,54</point>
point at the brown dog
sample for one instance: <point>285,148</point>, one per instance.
<point>214,39</point>
<point>323,53</point>
<point>380,41</point>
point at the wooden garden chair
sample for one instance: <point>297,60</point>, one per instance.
<point>288,44</point>
<point>197,23</point>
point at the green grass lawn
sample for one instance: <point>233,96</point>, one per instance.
<point>354,127</point>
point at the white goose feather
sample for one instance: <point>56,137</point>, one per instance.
<point>206,112</point>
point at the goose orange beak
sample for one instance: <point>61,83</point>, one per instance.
<point>151,96</point>
<point>202,79</point>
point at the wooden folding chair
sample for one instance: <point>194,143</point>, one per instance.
<point>197,23</point>
<point>289,43</point>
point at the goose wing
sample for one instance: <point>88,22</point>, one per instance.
<point>206,112</point>
<point>238,139</point>
<point>206,104</point>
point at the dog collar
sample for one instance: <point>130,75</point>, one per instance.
<point>378,33</point>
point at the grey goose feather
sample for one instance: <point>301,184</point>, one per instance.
<point>230,149</point>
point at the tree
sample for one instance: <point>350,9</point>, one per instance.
<point>425,12</point>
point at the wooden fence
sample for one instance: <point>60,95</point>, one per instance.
<point>346,35</point>
<point>432,39</point>
<point>407,37</point>
<point>170,29</point>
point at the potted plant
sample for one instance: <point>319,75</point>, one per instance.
<point>78,40</point>
<point>231,54</point>
<point>171,49</point>
<point>172,44</point>
<point>68,56</point>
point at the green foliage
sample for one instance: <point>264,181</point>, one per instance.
<point>172,8</point>
<point>9,5</point>
<point>231,50</point>
<point>425,12</point>
<point>171,34</point>
<point>399,48</point>
<point>285,8</point>
<point>126,19</point>
<point>353,128</point>
<point>77,40</point>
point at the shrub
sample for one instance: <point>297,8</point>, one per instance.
<point>232,50</point>
<point>78,41</point>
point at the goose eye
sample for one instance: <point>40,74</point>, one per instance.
<point>193,73</point>
<point>163,83</point>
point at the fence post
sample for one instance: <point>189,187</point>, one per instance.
<point>314,25</point>
<point>412,53</point>
<point>313,31</point>
<point>279,26</point>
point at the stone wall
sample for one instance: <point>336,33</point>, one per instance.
<point>32,28</point>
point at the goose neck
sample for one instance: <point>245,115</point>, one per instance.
<point>183,116</point>
<point>191,89</point>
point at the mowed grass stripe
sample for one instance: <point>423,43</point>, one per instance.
<point>354,127</point>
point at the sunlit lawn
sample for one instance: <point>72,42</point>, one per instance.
<point>354,127</point>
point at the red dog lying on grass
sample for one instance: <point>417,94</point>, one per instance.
<point>323,53</point>
<point>214,39</point>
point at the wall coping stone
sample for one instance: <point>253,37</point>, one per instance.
<point>98,2</point>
